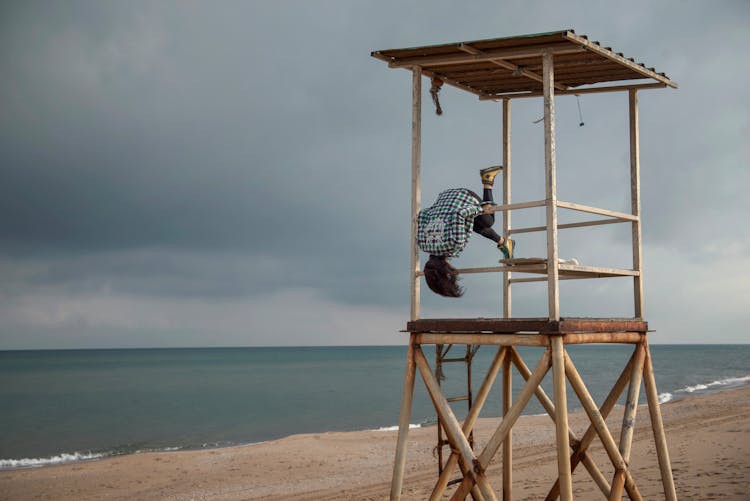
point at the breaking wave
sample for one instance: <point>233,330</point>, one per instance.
<point>395,428</point>
<point>702,388</point>
<point>60,459</point>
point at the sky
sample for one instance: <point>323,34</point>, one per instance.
<point>180,174</point>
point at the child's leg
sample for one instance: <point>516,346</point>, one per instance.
<point>483,222</point>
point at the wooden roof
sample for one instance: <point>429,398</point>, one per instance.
<point>512,66</point>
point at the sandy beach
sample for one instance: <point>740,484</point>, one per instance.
<point>708,438</point>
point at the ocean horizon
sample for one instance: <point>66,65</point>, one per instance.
<point>70,405</point>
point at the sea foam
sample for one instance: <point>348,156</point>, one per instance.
<point>730,382</point>
<point>395,428</point>
<point>713,386</point>
<point>34,462</point>
<point>665,397</point>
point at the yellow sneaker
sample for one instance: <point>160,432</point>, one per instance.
<point>488,174</point>
<point>507,248</point>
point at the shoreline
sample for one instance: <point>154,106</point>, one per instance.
<point>708,438</point>
<point>76,457</point>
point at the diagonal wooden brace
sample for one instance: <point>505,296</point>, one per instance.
<point>657,426</point>
<point>471,419</point>
<point>579,451</point>
<point>600,426</point>
<point>455,435</point>
<point>407,397</point>
<point>628,420</point>
<point>507,423</point>
<point>596,474</point>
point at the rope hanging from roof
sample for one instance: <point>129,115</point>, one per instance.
<point>434,90</point>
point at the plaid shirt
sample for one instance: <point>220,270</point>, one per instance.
<point>444,228</point>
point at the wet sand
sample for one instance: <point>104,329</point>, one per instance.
<point>708,439</point>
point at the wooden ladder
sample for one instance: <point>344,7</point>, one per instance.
<point>441,357</point>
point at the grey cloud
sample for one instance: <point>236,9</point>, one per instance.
<point>189,151</point>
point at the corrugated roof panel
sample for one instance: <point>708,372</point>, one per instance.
<point>514,64</point>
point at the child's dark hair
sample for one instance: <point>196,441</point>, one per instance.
<point>441,277</point>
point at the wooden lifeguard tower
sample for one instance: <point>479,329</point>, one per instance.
<point>543,65</point>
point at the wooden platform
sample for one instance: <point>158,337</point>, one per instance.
<point>535,265</point>
<point>572,449</point>
<point>527,325</point>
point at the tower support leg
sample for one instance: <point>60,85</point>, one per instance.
<point>628,420</point>
<point>508,443</point>
<point>561,423</point>
<point>407,397</point>
<point>658,427</point>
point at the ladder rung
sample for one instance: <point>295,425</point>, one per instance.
<point>457,399</point>
<point>455,481</point>
<point>454,360</point>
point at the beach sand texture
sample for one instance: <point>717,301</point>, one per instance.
<point>708,439</point>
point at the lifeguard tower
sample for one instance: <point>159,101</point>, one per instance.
<point>543,65</point>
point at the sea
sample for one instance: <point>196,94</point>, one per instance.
<point>74,405</point>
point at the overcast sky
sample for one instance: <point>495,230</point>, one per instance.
<point>237,173</point>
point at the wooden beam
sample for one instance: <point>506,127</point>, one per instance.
<point>579,452</point>
<point>566,225</point>
<point>452,429</point>
<point>501,357</point>
<point>507,290</point>
<point>600,270</point>
<point>628,420</point>
<point>509,66</point>
<point>454,83</point>
<point>657,426</point>
<point>483,339</point>
<point>520,205</point>
<point>596,474</point>
<point>584,90</point>
<point>597,49</point>
<point>602,337</point>
<point>416,194</point>
<point>596,210</point>
<point>571,270</point>
<point>527,280</point>
<point>635,202</point>
<point>561,423</point>
<point>407,396</point>
<point>489,55</point>
<point>508,443</point>
<point>550,184</point>
<point>507,423</point>
<point>535,325</point>
<point>597,420</point>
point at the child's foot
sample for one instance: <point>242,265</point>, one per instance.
<point>507,248</point>
<point>488,174</point>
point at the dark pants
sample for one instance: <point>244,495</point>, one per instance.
<point>483,222</point>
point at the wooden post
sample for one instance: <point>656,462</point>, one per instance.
<point>508,443</point>
<point>416,195</point>
<point>628,420</point>
<point>550,187</point>
<point>403,422</point>
<point>657,425</point>
<point>635,202</point>
<point>561,423</point>
<point>507,298</point>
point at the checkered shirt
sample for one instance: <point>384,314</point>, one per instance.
<point>444,228</point>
